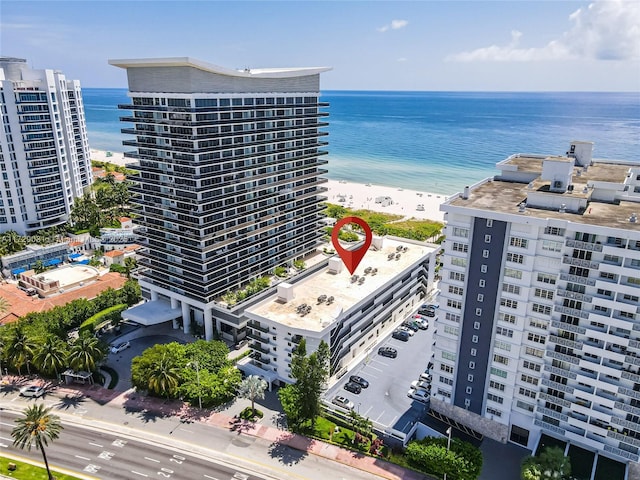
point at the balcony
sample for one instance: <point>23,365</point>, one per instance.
<point>557,386</point>
<point>259,348</point>
<point>256,336</point>
<point>621,453</point>
<point>548,426</point>
<point>579,262</point>
<point>594,247</point>
<point>577,279</point>
<point>257,326</point>
<point>565,342</point>
<point>568,327</point>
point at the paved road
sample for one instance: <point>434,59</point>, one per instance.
<point>168,434</point>
<point>112,456</point>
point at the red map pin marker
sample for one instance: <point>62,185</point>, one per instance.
<point>351,258</point>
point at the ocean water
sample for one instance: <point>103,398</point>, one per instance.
<point>437,141</point>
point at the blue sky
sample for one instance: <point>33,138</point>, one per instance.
<point>371,45</point>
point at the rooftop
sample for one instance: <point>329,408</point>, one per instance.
<point>346,293</point>
<point>504,196</point>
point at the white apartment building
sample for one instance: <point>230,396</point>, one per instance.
<point>44,151</point>
<point>351,313</point>
<point>539,323</point>
<point>229,184</point>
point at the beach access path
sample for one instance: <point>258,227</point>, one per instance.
<point>408,203</point>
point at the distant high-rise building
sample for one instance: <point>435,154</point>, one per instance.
<point>44,151</point>
<point>538,330</point>
<point>229,184</point>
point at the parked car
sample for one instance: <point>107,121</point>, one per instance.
<point>359,380</point>
<point>429,313</point>
<point>425,377</point>
<point>421,385</point>
<point>241,343</point>
<point>404,328</point>
<point>352,387</point>
<point>423,323</point>
<point>411,324</point>
<point>419,395</point>
<point>343,402</point>
<point>389,352</point>
<point>432,306</point>
<point>400,335</point>
<point>32,391</point>
<point>120,347</point>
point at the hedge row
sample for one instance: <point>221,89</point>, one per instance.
<point>107,315</point>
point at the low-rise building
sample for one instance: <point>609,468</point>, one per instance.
<point>351,313</point>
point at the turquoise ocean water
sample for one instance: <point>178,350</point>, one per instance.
<point>437,141</point>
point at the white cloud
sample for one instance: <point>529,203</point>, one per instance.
<point>394,25</point>
<point>605,30</point>
<point>401,59</point>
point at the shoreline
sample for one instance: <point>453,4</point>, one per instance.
<point>417,204</point>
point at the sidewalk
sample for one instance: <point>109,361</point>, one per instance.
<point>130,401</point>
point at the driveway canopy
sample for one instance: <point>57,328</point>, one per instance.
<point>152,313</point>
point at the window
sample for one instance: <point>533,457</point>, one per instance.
<point>559,232</point>
<point>444,393</point>
<point>515,258</point>
<point>485,253</point>
<point>531,366</point>
<point>506,332</point>
<point>474,339</point>
<point>501,359</point>
<point>605,293</point>
<point>446,368</point>
<point>500,345</point>
<point>507,302</point>
<point>494,412</point>
<point>524,406</point>
<point>470,378</point>
<point>498,373</point>
<point>483,268</point>
<point>551,246</point>
<point>454,303</point>
<point>487,239</point>
<point>459,262</point>
<point>507,317</point>
<point>547,294</point>
<point>460,247</point>
<point>478,312</point>
<point>534,337</point>
<point>527,393</point>
<point>534,352</point>
<point>469,390</point>
<point>495,398</point>
<point>529,379</point>
<point>534,322</point>
<point>509,288</point>
<point>456,290</point>
<point>451,330</point>
<point>489,223</point>
<point>446,381</point>
<point>608,276</point>
<point>457,276</point>
<point>518,242</point>
<point>476,325</point>
<point>449,356</point>
<point>496,385</point>
<point>513,273</point>
<point>633,280</point>
<point>453,317</point>
<point>460,232</point>
<point>612,259</point>
<point>473,352</point>
<point>472,365</point>
<point>547,278</point>
<point>543,309</point>
<point>481,283</point>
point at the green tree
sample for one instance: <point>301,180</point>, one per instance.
<point>130,293</point>
<point>164,378</point>
<point>360,424</point>
<point>19,349</point>
<point>37,427</point>
<point>85,212</point>
<point>130,264</point>
<point>51,355</point>
<point>39,266</point>
<point>86,352</point>
<point>551,464</point>
<point>251,388</point>
<point>212,355</point>
<point>121,195</point>
<point>290,399</point>
<point>143,365</point>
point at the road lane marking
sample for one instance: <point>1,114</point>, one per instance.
<point>92,468</point>
<point>138,473</point>
<point>8,424</point>
<point>212,478</point>
<point>366,414</point>
<point>82,458</point>
<point>152,459</point>
<point>2,445</point>
<point>374,368</point>
<point>95,444</point>
<point>7,439</point>
<point>106,455</point>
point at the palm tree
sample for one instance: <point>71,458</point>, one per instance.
<point>38,426</point>
<point>51,356</point>
<point>39,266</point>
<point>252,387</point>
<point>130,263</point>
<point>85,353</point>
<point>164,377</point>
<point>19,350</point>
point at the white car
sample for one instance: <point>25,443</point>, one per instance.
<point>343,402</point>
<point>32,391</point>
<point>420,385</point>
<point>419,395</point>
<point>426,377</point>
<point>407,329</point>
<point>120,347</point>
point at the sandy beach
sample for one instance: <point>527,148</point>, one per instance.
<point>409,203</point>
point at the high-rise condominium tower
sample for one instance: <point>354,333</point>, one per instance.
<point>44,152</point>
<point>539,324</point>
<point>229,184</point>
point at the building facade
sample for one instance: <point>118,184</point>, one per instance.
<point>44,151</point>
<point>539,324</point>
<point>351,313</point>
<point>229,182</point>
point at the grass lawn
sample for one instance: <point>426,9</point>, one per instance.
<point>26,471</point>
<point>581,462</point>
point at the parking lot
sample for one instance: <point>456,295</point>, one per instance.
<point>385,401</point>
